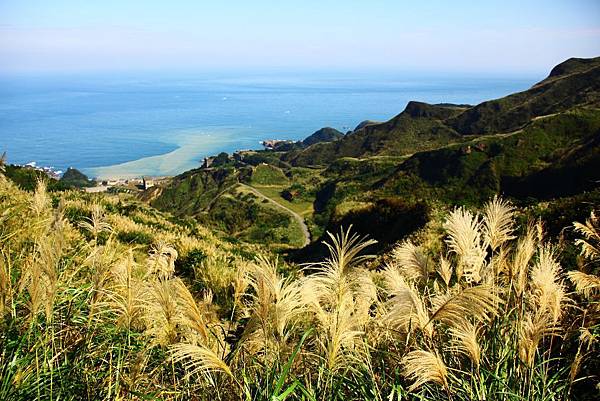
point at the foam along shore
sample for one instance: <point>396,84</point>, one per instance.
<point>192,147</point>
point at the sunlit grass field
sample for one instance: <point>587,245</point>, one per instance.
<point>103,297</point>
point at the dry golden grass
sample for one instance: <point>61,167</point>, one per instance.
<point>445,270</point>
<point>522,256</point>
<point>548,291</point>
<point>127,295</point>
<point>466,340</point>
<point>198,359</point>
<point>275,305</point>
<point>465,240</point>
<point>96,224</point>
<point>162,260</point>
<point>533,329</point>
<point>405,310</point>
<point>454,307</point>
<point>498,222</point>
<point>422,366</point>
<point>412,261</point>
<point>483,302</point>
<point>339,295</point>
<point>586,284</point>
<point>590,243</point>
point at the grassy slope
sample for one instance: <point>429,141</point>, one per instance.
<point>536,146</point>
<point>572,83</point>
<point>272,181</point>
<point>192,191</point>
<point>558,147</point>
<point>575,82</point>
<point>214,198</point>
<point>561,148</point>
<point>83,319</point>
<point>273,226</point>
<point>177,313</point>
<point>402,135</point>
<point>501,164</point>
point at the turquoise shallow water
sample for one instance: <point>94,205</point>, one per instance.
<point>151,124</point>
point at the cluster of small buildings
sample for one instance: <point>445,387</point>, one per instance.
<point>141,183</point>
<point>123,183</point>
<point>49,171</point>
<point>237,156</point>
<point>272,143</point>
<point>480,147</point>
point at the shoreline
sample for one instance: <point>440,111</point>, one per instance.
<point>191,148</point>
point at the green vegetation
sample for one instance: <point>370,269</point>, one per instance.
<point>300,206</point>
<point>265,174</point>
<point>473,306</point>
<point>216,199</point>
<point>506,164</point>
<point>575,82</point>
<point>222,159</point>
<point>421,126</point>
<point>326,134</point>
<point>540,144</point>
<point>73,178</point>
<point>285,230</point>
<point>178,294</point>
<point>191,192</point>
<point>401,135</point>
<point>26,177</point>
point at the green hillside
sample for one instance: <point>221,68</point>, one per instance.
<point>451,253</point>
<point>421,126</point>
<point>103,297</point>
<point>217,199</point>
<point>401,135</point>
<point>505,164</point>
<point>326,134</point>
<point>73,178</point>
<point>536,145</point>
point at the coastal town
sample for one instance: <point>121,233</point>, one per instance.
<point>124,184</point>
<point>133,184</point>
<point>49,171</point>
<point>92,185</point>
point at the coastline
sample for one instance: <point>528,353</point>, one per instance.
<point>192,147</point>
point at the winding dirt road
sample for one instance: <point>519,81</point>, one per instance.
<point>295,215</point>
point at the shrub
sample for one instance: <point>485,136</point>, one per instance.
<point>135,237</point>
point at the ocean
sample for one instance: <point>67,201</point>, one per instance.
<point>129,125</point>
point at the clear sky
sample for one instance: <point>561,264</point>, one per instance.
<point>469,36</point>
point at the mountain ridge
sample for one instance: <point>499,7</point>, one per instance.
<point>423,158</point>
<point>575,82</point>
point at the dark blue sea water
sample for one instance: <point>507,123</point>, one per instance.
<point>107,120</point>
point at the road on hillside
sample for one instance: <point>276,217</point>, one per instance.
<point>295,215</point>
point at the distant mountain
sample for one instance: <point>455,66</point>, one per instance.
<point>575,82</point>
<point>365,123</point>
<point>385,178</point>
<point>407,132</point>
<point>75,179</point>
<point>326,134</point>
<point>421,126</point>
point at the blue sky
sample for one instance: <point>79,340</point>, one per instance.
<point>462,36</point>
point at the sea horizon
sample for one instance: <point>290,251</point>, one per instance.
<point>127,125</point>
